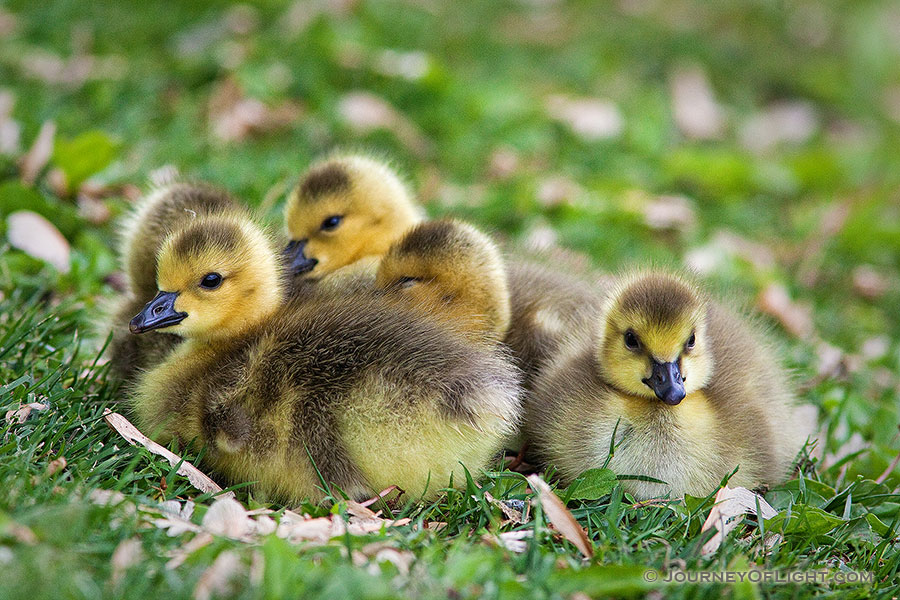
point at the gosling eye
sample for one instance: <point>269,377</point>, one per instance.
<point>331,223</point>
<point>211,281</point>
<point>689,345</point>
<point>631,341</point>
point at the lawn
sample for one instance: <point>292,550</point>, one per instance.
<point>756,142</point>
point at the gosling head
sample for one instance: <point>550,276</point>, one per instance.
<point>454,272</point>
<point>653,341</point>
<point>217,277</point>
<point>344,209</point>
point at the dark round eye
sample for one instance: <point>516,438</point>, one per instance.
<point>331,223</point>
<point>691,340</point>
<point>211,281</point>
<point>631,340</point>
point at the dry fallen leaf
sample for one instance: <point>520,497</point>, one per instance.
<point>560,516</point>
<point>783,122</point>
<point>37,156</point>
<point>38,237</point>
<point>226,517</point>
<point>56,465</point>
<point>795,318</point>
<point>557,190</point>
<point>591,119</point>
<point>215,580</point>
<point>730,504</point>
<point>198,479</point>
<point>514,541</point>
<point>74,71</point>
<point>697,114</point>
<point>21,414</point>
<point>869,283</point>
<point>364,112</point>
<point>10,130</point>
<point>127,554</point>
<point>234,117</point>
<point>671,213</point>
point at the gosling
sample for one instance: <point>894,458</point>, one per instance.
<point>344,210</point>
<point>691,390</point>
<point>141,237</point>
<point>325,390</point>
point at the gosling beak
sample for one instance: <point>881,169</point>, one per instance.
<point>159,312</point>
<point>297,261</point>
<point>666,382</point>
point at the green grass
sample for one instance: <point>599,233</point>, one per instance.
<point>490,66</point>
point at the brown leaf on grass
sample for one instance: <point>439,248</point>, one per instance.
<point>869,283</point>
<point>216,580</point>
<point>39,238</point>
<point>556,190</point>
<point>56,465</point>
<point>298,528</point>
<point>379,552</point>
<point>92,210</point>
<point>301,13</point>
<point>775,300</point>
<point>227,517</point>
<point>127,554</point>
<point>382,495</point>
<point>9,23</point>
<point>514,541</point>
<point>233,117</point>
<point>670,213</point>
<point>591,119</point>
<point>19,532</point>
<point>10,130</point>
<point>781,123</point>
<point>560,516</point>
<point>503,163</point>
<point>74,71</point>
<point>39,154</point>
<point>21,414</point>
<point>198,479</point>
<point>697,114</point>
<point>731,503</point>
<point>364,113</point>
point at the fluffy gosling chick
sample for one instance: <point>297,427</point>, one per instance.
<point>694,389</point>
<point>345,209</point>
<point>374,394</point>
<point>143,233</point>
<point>455,273</point>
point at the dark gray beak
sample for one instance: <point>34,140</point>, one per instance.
<point>666,382</point>
<point>297,261</point>
<point>159,312</point>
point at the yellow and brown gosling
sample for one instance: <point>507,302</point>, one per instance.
<point>345,209</point>
<point>142,233</point>
<point>454,272</point>
<point>364,391</point>
<point>691,389</point>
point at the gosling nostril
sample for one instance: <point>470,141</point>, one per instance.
<point>157,309</point>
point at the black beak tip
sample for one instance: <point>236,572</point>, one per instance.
<point>673,398</point>
<point>136,325</point>
<point>296,256</point>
